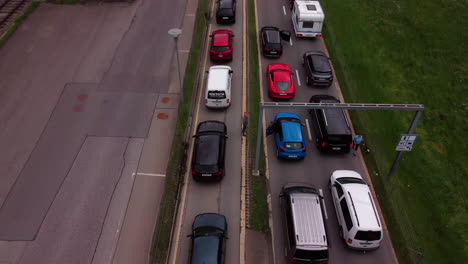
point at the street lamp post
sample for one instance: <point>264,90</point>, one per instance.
<point>175,33</point>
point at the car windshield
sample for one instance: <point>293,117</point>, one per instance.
<point>220,48</point>
<point>293,145</point>
<point>368,235</point>
<point>282,86</point>
<point>226,12</point>
<point>345,180</point>
<point>288,119</point>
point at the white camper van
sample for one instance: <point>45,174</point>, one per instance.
<point>218,88</point>
<point>307,18</point>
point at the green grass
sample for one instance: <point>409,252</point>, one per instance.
<point>175,171</point>
<point>410,52</point>
<point>18,21</point>
<point>258,211</point>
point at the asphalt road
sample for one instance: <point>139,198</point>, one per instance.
<point>223,197</point>
<point>80,88</point>
<point>316,167</point>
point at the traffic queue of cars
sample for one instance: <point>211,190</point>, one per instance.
<point>302,204</point>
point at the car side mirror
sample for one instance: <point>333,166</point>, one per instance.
<point>207,72</point>
<point>285,35</point>
<point>231,71</point>
<point>211,36</point>
<point>281,195</point>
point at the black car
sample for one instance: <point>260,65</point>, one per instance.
<point>209,150</point>
<point>226,12</point>
<point>331,126</point>
<point>318,69</point>
<point>208,239</point>
<point>271,41</point>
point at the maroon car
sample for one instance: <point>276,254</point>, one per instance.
<point>221,45</point>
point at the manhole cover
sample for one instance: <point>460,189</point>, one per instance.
<point>162,116</point>
<point>78,108</point>
<point>82,97</point>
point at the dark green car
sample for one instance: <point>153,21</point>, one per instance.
<point>208,239</point>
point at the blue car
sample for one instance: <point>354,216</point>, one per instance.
<point>290,143</point>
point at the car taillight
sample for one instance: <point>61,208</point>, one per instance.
<point>227,101</point>
<point>350,145</point>
<point>194,172</point>
<point>318,35</point>
<point>266,49</point>
<point>281,148</point>
<point>324,144</point>
<point>299,35</point>
<point>304,149</point>
<point>219,172</point>
<point>206,101</point>
<point>350,241</point>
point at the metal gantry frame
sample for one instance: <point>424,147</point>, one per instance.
<point>418,108</point>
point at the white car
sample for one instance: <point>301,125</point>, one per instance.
<point>359,221</point>
<point>218,87</point>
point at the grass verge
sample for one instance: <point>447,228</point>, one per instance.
<point>18,21</point>
<point>258,211</point>
<point>408,52</point>
<point>175,168</point>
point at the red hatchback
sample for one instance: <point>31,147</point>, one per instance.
<point>221,45</point>
<point>280,81</point>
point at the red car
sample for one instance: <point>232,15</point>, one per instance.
<point>280,81</point>
<point>221,45</point>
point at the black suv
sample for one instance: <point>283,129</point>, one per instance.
<point>318,69</point>
<point>226,12</point>
<point>209,150</point>
<point>271,41</point>
<point>331,127</point>
<point>208,238</point>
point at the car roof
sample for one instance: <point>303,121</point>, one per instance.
<point>210,220</point>
<point>218,78</point>
<point>309,226</point>
<point>292,132</point>
<point>205,250</point>
<point>319,61</point>
<point>273,35</point>
<point>335,120</point>
<point>360,198</point>
<point>221,37</point>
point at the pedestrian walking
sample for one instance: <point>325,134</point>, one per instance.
<point>356,143</point>
<point>245,122</point>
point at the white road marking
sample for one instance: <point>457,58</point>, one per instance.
<point>298,79</point>
<point>323,203</point>
<point>308,129</point>
<point>149,174</point>
<point>284,10</point>
<point>290,41</point>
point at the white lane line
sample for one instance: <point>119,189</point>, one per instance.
<point>323,203</point>
<point>308,129</point>
<point>284,10</point>
<point>298,79</point>
<point>149,174</point>
<point>290,41</point>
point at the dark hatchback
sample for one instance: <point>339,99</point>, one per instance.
<point>208,239</point>
<point>209,150</point>
<point>271,38</point>
<point>226,12</point>
<point>331,126</point>
<point>318,69</point>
